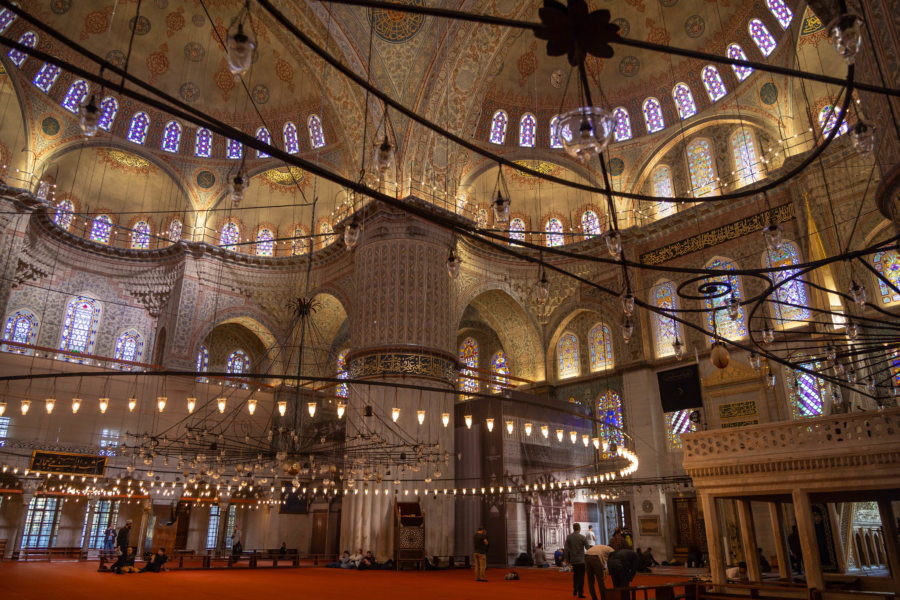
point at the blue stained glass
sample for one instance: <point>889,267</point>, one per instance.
<point>781,12</point>
<point>712,81</point>
<point>665,329</point>
<point>29,38</point>
<point>888,265</point>
<point>46,77</point>
<point>140,124</point>
<point>569,365</point>
<point>171,136</point>
<point>203,143</point>
<point>678,423</point>
<point>762,37</point>
<point>300,244</point>
<point>291,139</point>
<point>611,417</point>
<point>235,151</point>
<point>790,305</point>
<point>590,224</point>
<point>175,228</point>
<point>746,164</point>
<point>684,101</point>
<point>468,355</point>
<point>653,115</point>
<point>78,91</point>
<point>717,318</point>
<point>600,346</point>
<point>108,109</point>
<point>498,127</point>
<point>20,328</point>
<point>6,19</point>
<point>895,367</point>
<point>623,124</point>
<point>316,133</point>
<point>63,215</point>
<point>238,363</point>
<point>700,167</point>
<point>828,117</point>
<point>262,134</point>
<point>80,325</point>
<point>327,233</point>
<point>735,52</point>
<point>230,237</point>
<point>202,362</point>
<point>516,230</point>
<point>661,186</point>
<point>499,371</point>
<point>555,140</point>
<point>140,235</point>
<point>808,395</point>
<point>553,231</point>
<point>527,127</point>
<point>101,229</point>
<point>265,242</point>
<point>128,347</point>
<point>342,390</point>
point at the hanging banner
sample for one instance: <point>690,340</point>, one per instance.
<point>66,463</point>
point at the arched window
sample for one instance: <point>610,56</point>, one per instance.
<point>6,19</point>
<point>746,163</point>
<point>527,127</point>
<point>600,346</point>
<point>762,37</point>
<point>665,329</point>
<point>828,118</point>
<point>327,233</point>
<point>128,348</point>
<point>623,124</point>
<point>590,224</point>
<point>684,101</point>
<point>230,237</point>
<point>790,300</point>
<point>291,139</point>
<point>175,227</point>
<point>342,390</point>
<point>781,12</point>
<point>108,109</point>
<point>29,38</point>
<point>63,215</point>
<point>661,187</point>
<point>499,371</point>
<point>262,134</point>
<point>700,167</point>
<point>46,77</point>
<point>203,143</point>
<point>299,245</point>
<point>171,137</point>
<point>895,367</point>
<point>21,328</point>
<point>712,81</point>
<point>202,362</point>
<point>567,356</point>
<point>140,124</point>
<point>140,235</point>
<point>498,127</point>
<point>516,230</point>
<point>265,242</point>
<point>735,52</point>
<point>553,232</point>
<point>888,264</point>
<point>238,363</point>
<point>717,318</point>
<point>481,218</point>
<point>555,139</point>
<point>653,115</point>
<point>80,326</point>
<point>678,423</point>
<point>316,134</point>
<point>101,229</point>
<point>611,417</point>
<point>234,151</point>
<point>468,355</point>
<point>808,394</point>
<point>78,91</point>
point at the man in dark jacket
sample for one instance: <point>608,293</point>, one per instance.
<point>622,566</point>
<point>122,538</point>
<point>575,547</point>
<point>156,564</point>
<point>479,553</point>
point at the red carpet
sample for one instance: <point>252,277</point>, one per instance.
<point>81,581</point>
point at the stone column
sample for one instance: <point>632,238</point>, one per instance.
<point>889,527</point>
<point>713,538</point>
<point>748,538</point>
<point>812,566</point>
<point>781,550</point>
<point>27,494</point>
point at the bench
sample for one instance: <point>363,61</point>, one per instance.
<point>49,554</point>
<point>455,561</point>
<point>761,591</point>
<point>290,555</point>
<point>685,590</point>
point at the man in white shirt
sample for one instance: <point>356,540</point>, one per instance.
<point>591,538</point>
<point>595,562</point>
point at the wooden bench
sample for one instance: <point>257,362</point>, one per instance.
<point>779,590</point>
<point>454,561</point>
<point>685,590</point>
<point>49,554</point>
<point>290,555</point>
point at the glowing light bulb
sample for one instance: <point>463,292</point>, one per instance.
<point>251,405</point>
<point>221,402</point>
<point>76,404</point>
<point>468,419</point>
<point>395,414</point>
<point>341,407</point>
<point>104,404</point>
<point>573,435</point>
<point>191,404</point>
<point>282,407</point>
<point>132,402</point>
<point>596,442</point>
<point>24,406</point>
<point>490,424</point>
<point>585,439</point>
<point>559,435</point>
<point>420,416</point>
<point>545,431</point>
<point>445,419</point>
<point>527,429</point>
<point>2,408</point>
<point>161,403</point>
<point>49,403</point>
<point>509,427</point>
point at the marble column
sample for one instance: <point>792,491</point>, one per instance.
<point>781,549</point>
<point>748,538</point>
<point>812,566</point>
<point>713,538</point>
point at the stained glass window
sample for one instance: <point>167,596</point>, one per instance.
<point>661,182</point>
<point>20,328</point>
<point>29,38</point>
<point>175,228</point>
<point>567,356</point>
<point>481,218</point>
<point>140,235</point>
<point>212,529</point>
<point>203,143</point>
<point>41,522</point>
<point>684,101</point>
<point>499,371</point>
<point>553,231</point>
<point>468,355</point>
<point>171,136</point>
<point>230,237</point>
<point>265,242</point>
<point>291,139</point>
<point>895,368</point>
<point>590,224</point>
<point>108,109</point>
<point>316,134</point>
<point>128,348</point>
<point>717,318</point>
<point>238,363</point>
<point>677,423</point>
<point>78,91</point>
<point>46,77</point>
<point>202,362</point>
<point>140,124</point>
<point>342,390</point>
<point>762,37</point>
<point>63,215</point>
<point>611,417</point>
<point>106,512</point>
<point>327,233</point>
<point>653,115</point>
<point>6,19</point>
<point>781,12</point>
<point>623,124</point>
<point>600,346</point>
<point>234,151</point>
<point>665,329</point>
<point>516,230</point>
<point>713,83</point>
<point>498,127</point>
<point>790,300</point>
<point>80,325</point>
<point>828,117</point>
<point>809,393</point>
<point>555,140</point>
<point>700,167</point>
<point>735,52</point>
<point>299,245</point>
<point>101,229</point>
<point>888,264</point>
<point>262,134</point>
<point>746,163</point>
<point>527,127</point>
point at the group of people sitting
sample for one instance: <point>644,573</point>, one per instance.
<point>125,562</point>
<point>360,561</point>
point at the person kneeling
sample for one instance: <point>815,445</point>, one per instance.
<point>125,562</point>
<point>156,564</point>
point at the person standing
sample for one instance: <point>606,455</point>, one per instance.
<point>622,565</point>
<point>595,562</point>
<point>796,551</point>
<point>589,536</point>
<point>479,553</point>
<point>236,546</point>
<point>575,547</point>
<point>109,540</point>
<point>123,537</point>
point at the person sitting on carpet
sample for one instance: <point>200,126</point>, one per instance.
<point>764,566</point>
<point>342,563</point>
<point>368,562</point>
<point>355,559</point>
<point>540,559</point>
<point>156,565</point>
<point>125,562</point>
<point>558,557</point>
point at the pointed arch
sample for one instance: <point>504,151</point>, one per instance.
<point>30,39</point>
<point>781,12</point>
<point>46,77</point>
<point>140,125</point>
<point>316,133</point>
<point>171,137</point>
<point>108,109</point>
<point>238,363</point>
<point>265,242</point>
<point>887,262</point>
<point>342,390</point>
<point>684,101</point>
<point>828,118</point>
<point>746,159</point>
<point>653,115</point>
<point>63,215</point>
<point>527,130</point>
<point>78,91</point>
<point>499,371</point>
<point>80,323</point>
<point>263,135</point>
<point>701,167</point>
<point>174,230</point>
<point>712,81</point>
<point>600,348</point>
<point>735,52</point>
<point>101,229</point>
<point>326,231</point>
<point>129,346</point>
<point>590,224</point>
<point>611,415</point>
<point>498,127</point>
<point>291,139</point>
<point>567,356</point>
<point>203,142</point>
<point>665,329</point>
<point>555,139</point>
<point>553,232</point>
<point>516,231</point>
<point>761,36</point>
<point>202,363</point>
<point>230,236</point>
<point>623,124</point>
<point>717,318</point>
<point>6,19</point>
<point>21,328</point>
<point>234,150</point>
<point>140,235</point>
<point>468,355</point>
<point>300,243</point>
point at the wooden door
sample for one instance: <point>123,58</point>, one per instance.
<point>689,526</point>
<point>182,524</point>
<point>319,537</point>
